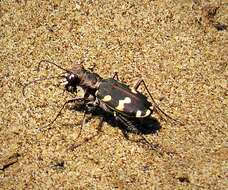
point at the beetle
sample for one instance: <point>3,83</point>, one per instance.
<point>111,95</point>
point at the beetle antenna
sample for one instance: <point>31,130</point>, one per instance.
<point>38,80</point>
<point>52,63</point>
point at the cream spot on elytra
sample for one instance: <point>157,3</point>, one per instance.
<point>126,100</point>
<point>134,91</point>
<point>138,113</point>
<point>107,98</point>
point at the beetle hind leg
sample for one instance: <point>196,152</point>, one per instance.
<point>155,107</point>
<point>128,125</point>
<point>137,84</point>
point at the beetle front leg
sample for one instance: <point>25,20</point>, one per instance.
<point>75,100</point>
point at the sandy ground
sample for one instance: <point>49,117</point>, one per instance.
<point>178,47</point>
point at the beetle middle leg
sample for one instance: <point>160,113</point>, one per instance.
<point>115,76</point>
<point>89,106</point>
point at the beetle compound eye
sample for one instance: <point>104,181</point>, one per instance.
<point>73,80</point>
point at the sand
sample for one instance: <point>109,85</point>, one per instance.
<point>178,47</point>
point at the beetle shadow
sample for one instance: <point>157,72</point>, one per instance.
<point>145,126</point>
<point>149,125</point>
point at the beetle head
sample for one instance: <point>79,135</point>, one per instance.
<point>73,78</point>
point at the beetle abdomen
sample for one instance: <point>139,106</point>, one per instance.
<point>120,98</point>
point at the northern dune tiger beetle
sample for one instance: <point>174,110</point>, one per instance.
<point>112,96</point>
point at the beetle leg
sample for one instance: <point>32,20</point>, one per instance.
<point>155,106</point>
<point>89,107</point>
<point>129,127</point>
<point>76,100</point>
<point>137,84</point>
<point>115,75</point>
<point>82,123</point>
<point>124,132</point>
<point>100,124</point>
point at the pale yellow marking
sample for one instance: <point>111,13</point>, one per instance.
<point>134,91</point>
<point>148,112</point>
<point>107,98</point>
<point>80,91</point>
<point>138,113</point>
<point>126,100</point>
